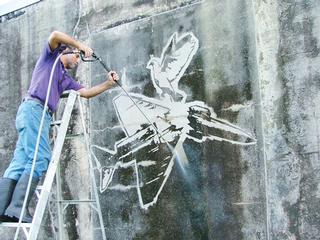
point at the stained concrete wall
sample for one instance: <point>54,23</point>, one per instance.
<point>245,139</point>
<point>287,56</point>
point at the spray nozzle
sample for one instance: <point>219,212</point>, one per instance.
<point>94,57</point>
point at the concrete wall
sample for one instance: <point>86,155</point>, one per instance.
<point>287,56</point>
<point>231,88</point>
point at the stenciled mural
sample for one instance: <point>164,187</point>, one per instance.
<point>173,121</point>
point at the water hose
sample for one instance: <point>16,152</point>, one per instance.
<point>37,145</point>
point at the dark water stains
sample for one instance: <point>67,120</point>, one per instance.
<point>293,214</point>
<point>118,23</point>
<point>180,29</point>
<point>186,3</point>
<point>161,219</point>
<point>297,32</point>
<point>111,9</point>
<point>125,176</point>
<point>182,199</point>
<point>303,212</point>
<point>283,108</point>
<point>193,79</point>
<point>291,33</point>
<point>248,95</point>
<point>225,97</point>
<point>224,173</point>
<point>140,3</point>
<point>245,49</point>
<point>195,193</point>
<point>149,90</point>
<point>125,214</point>
<point>11,15</point>
<point>10,82</point>
<point>311,43</point>
<point>71,212</point>
<point>297,41</point>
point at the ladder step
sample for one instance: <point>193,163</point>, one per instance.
<point>65,94</point>
<point>56,123</point>
<point>75,135</point>
<point>75,201</point>
<point>15,224</point>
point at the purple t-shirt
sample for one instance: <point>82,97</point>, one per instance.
<point>61,80</point>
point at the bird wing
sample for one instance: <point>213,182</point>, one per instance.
<point>131,118</point>
<point>175,61</point>
<point>171,65</point>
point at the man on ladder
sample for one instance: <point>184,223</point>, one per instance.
<point>14,184</point>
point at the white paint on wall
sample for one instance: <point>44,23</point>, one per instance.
<point>172,117</point>
<point>167,70</point>
<point>237,107</point>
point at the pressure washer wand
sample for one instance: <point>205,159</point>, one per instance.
<point>108,70</point>
<point>101,62</point>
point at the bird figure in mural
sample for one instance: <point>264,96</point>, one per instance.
<point>167,70</point>
<point>145,157</point>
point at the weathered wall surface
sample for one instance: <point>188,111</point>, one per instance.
<point>288,59</point>
<point>231,86</point>
<point>210,197</point>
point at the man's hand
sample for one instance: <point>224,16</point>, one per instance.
<point>113,78</point>
<point>57,37</point>
<point>87,50</point>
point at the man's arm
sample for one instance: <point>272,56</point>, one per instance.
<point>94,91</point>
<point>57,37</point>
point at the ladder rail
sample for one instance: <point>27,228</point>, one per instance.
<point>95,191</point>
<point>47,185</point>
<point>55,127</point>
<point>59,204</point>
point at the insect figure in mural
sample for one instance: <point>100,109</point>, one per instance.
<point>148,155</point>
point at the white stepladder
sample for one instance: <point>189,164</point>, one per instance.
<point>31,230</point>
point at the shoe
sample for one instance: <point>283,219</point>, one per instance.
<point>7,186</point>
<point>14,209</point>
